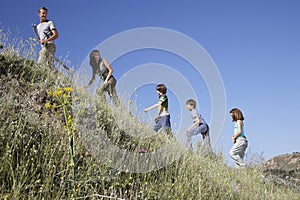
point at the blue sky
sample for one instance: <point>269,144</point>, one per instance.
<point>254,44</point>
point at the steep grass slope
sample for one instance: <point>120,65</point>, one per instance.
<point>44,156</point>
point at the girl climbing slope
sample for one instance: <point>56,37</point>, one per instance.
<point>239,140</point>
<point>101,67</point>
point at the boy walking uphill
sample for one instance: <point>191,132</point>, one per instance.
<point>47,33</point>
<point>239,140</point>
<point>198,127</point>
<point>162,121</point>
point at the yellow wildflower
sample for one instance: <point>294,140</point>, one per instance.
<point>68,89</point>
<point>70,132</point>
<point>70,121</point>
<point>65,96</point>
<point>59,89</point>
<point>59,92</point>
<point>48,105</point>
<point>6,197</point>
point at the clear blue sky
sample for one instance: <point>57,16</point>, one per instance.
<point>254,44</point>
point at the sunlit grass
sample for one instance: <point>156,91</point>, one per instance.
<point>46,123</point>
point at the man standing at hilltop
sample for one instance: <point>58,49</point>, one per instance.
<point>47,34</point>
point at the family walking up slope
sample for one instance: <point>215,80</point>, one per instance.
<point>47,34</point>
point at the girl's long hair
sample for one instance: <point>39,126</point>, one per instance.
<point>93,61</point>
<point>237,114</point>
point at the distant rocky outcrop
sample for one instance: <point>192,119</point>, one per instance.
<point>284,170</point>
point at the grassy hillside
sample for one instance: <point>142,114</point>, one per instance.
<point>43,151</point>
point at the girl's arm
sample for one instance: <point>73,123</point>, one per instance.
<point>153,106</point>
<point>92,79</point>
<point>195,124</point>
<point>110,70</point>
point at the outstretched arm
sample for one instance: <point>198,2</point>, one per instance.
<point>93,77</point>
<point>153,106</point>
<point>92,80</point>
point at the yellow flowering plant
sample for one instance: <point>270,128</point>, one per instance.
<point>61,100</point>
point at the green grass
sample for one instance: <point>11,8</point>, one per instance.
<point>43,153</point>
